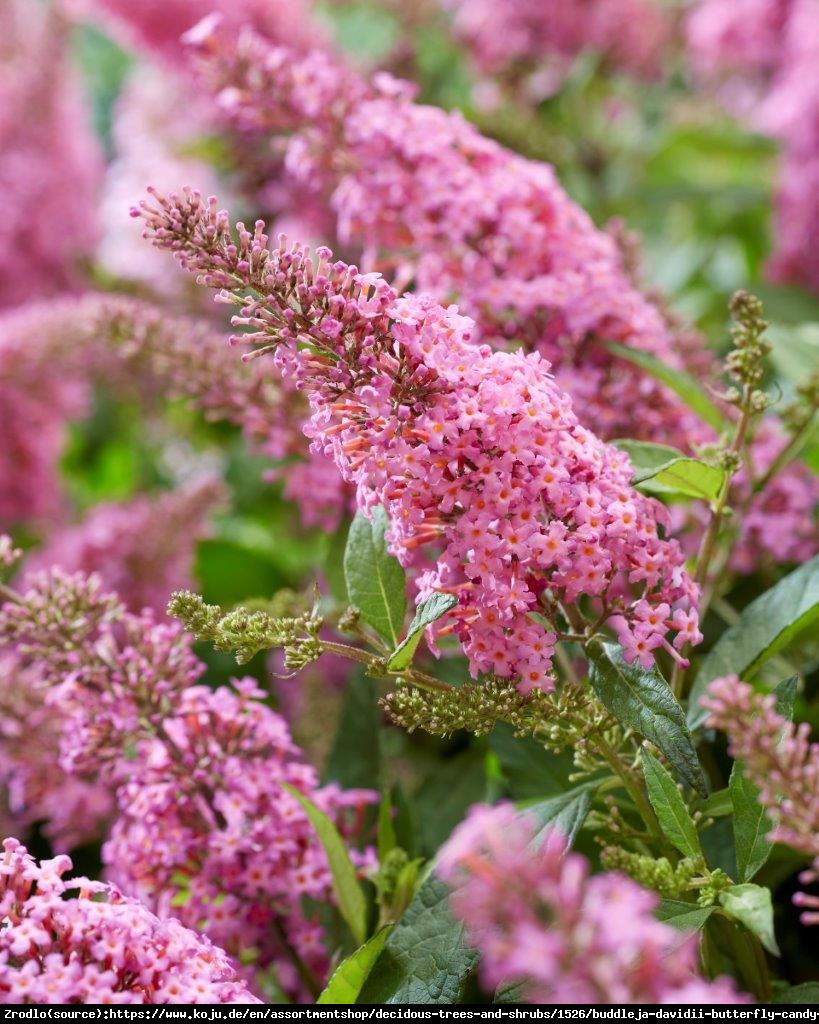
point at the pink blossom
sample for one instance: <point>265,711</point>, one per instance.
<point>78,941</point>
<point>143,549</point>
<point>540,920</point>
<point>778,757</point>
<point>475,455</point>
<point>531,44</point>
<point>203,829</point>
<point>47,151</point>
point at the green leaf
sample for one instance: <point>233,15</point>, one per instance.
<point>566,812</point>
<point>751,905</point>
<point>687,387</point>
<point>670,808</point>
<point>349,894</point>
<point>456,784</point>
<point>427,612</point>
<point>795,350</point>
<point>751,824</point>
<point>718,804</point>
<point>375,581</point>
<point>424,960</point>
<point>808,992</point>
<point>347,980</point>
<point>642,700</point>
<point>387,840</point>
<point>230,572</point>
<point>531,771</point>
<point>355,757</point>
<point>765,627</point>
<point>786,696</point>
<point>647,457</point>
<point>689,478</point>
<point>688,917</point>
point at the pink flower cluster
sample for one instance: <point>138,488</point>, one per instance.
<point>202,827</point>
<point>156,26</point>
<point>477,456</point>
<point>531,43</point>
<point>540,920</point>
<point>778,757</point>
<point>71,808</point>
<point>142,549</point>
<point>79,941</point>
<point>769,52</point>
<point>47,150</point>
<point>427,199</point>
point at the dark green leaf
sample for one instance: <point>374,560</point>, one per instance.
<point>786,696</point>
<point>751,905</point>
<point>718,804</point>
<point>531,771</point>
<point>751,824</point>
<point>566,812</point>
<point>348,892</point>
<point>229,573</point>
<point>687,387</point>
<point>688,917</point>
<point>386,829</point>
<point>808,993</point>
<point>375,581</point>
<point>424,959</point>
<point>765,627</point>
<point>689,478</point>
<point>348,978</point>
<point>456,784</point>
<point>355,759</point>
<point>670,808</point>
<point>427,613</point>
<point>641,700</point>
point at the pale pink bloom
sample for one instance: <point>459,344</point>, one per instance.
<point>539,919</point>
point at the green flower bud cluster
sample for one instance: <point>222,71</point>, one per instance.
<point>718,881</point>
<point>744,363</point>
<point>652,873</point>
<point>474,707</point>
<point>246,632</point>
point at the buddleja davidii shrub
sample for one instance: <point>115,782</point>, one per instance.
<point>473,459</point>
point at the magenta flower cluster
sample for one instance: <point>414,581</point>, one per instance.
<point>541,921</point>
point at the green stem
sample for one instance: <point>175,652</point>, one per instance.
<point>632,787</point>
<point>421,679</point>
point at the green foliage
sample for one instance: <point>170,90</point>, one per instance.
<point>349,894</point>
<point>687,478</point>
<point>375,581</point>
<point>355,757</point>
<point>566,812</point>
<point>751,824</point>
<point>424,959</point>
<point>348,979</point>
<point>670,808</point>
<point>751,906</point>
<point>687,387</point>
<point>685,916</point>
<point>766,626</point>
<point>641,699</point>
<point>427,613</point>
